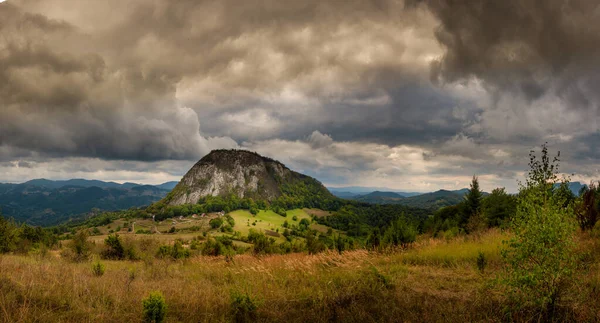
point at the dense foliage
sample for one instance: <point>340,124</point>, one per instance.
<point>540,257</point>
<point>359,219</point>
<point>24,238</point>
<point>477,211</point>
<point>40,205</point>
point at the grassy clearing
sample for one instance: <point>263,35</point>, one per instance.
<point>458,251</point>
<point>264,221</point>
<point>436,281</point>
<point>269,220</point>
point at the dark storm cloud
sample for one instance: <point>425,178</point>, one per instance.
<point>530,46</point>
<point>334,88</point>
<point>132,85</point>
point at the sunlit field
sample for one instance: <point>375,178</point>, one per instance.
<point>436,280</point>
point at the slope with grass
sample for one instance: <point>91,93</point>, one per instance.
<point>435,281</point>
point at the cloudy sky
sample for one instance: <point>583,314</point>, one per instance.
<point>412,95</point>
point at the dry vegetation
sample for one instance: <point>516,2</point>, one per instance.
<point>436,280</point>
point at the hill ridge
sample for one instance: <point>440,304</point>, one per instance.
<point>242,173</point>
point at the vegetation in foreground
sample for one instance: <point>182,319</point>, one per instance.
<point>436,280</point>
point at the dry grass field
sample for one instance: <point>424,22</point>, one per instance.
<point>435,281</point>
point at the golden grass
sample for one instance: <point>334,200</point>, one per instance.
<point>434,282</point>
<point>458,251</point>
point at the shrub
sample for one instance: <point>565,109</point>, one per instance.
<point>81,246</point>
<point>243,308</point>
<point>313,244</point>
<point>261,243</point>
<point>230,220</point>
<point>98,269</point>
<point>587,210</point>
<point>481,262</point>
<point>172,230</point>
<point>163,252</point>
<point>294,218</point>
<point>179,252</point>
<point>540,256</point>
<point>215,223</point>
<point>195,244</point>
<point>212,247</point>
<point>114,248</point>
<point>400,233</point>
<point>154,307</point>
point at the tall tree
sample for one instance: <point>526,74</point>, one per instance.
<point>540,255</point>
<point>473,199</point>
<point>498,207</point>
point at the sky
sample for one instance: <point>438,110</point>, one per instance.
<point>411,95</point>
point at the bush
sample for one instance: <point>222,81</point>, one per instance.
<point>98,269</point>
<point>179,252</point>
<point>114,248</point>
<point>588,208</point>
<point>243,308</point>
<point>163,252</point>
<point>481,262</point>
<point>541,255</point>
<point>230,220</point>
<point>261,243</point>
<point>294,218</point>
<point>81,246</point>
<point>154,308</point>
<point>313,244</point>
<point>216,223</point>
<point>212,247</point>
<point>400,233</point>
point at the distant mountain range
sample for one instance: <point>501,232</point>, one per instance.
<point>352,191</point>
<point>48,202</point>
<point>429,201</point>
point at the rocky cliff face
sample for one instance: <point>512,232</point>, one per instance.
<point>243,173</point>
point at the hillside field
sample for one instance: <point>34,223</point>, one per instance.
<point>265,221</point>
<point>436,280</point>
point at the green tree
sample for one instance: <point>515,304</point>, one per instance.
<point>400,233</point>
<point>8,235</point>
<point>498,207</point>
<point>540,256</point>
<point>215,223</point>
<point>154,307</point>
<point>374,239</point>
<point>473,200</point>
<point>81,246</point>
<point>588,207</point>
<point>114,247</point>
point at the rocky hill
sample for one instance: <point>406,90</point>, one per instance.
<point>244,174</point>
